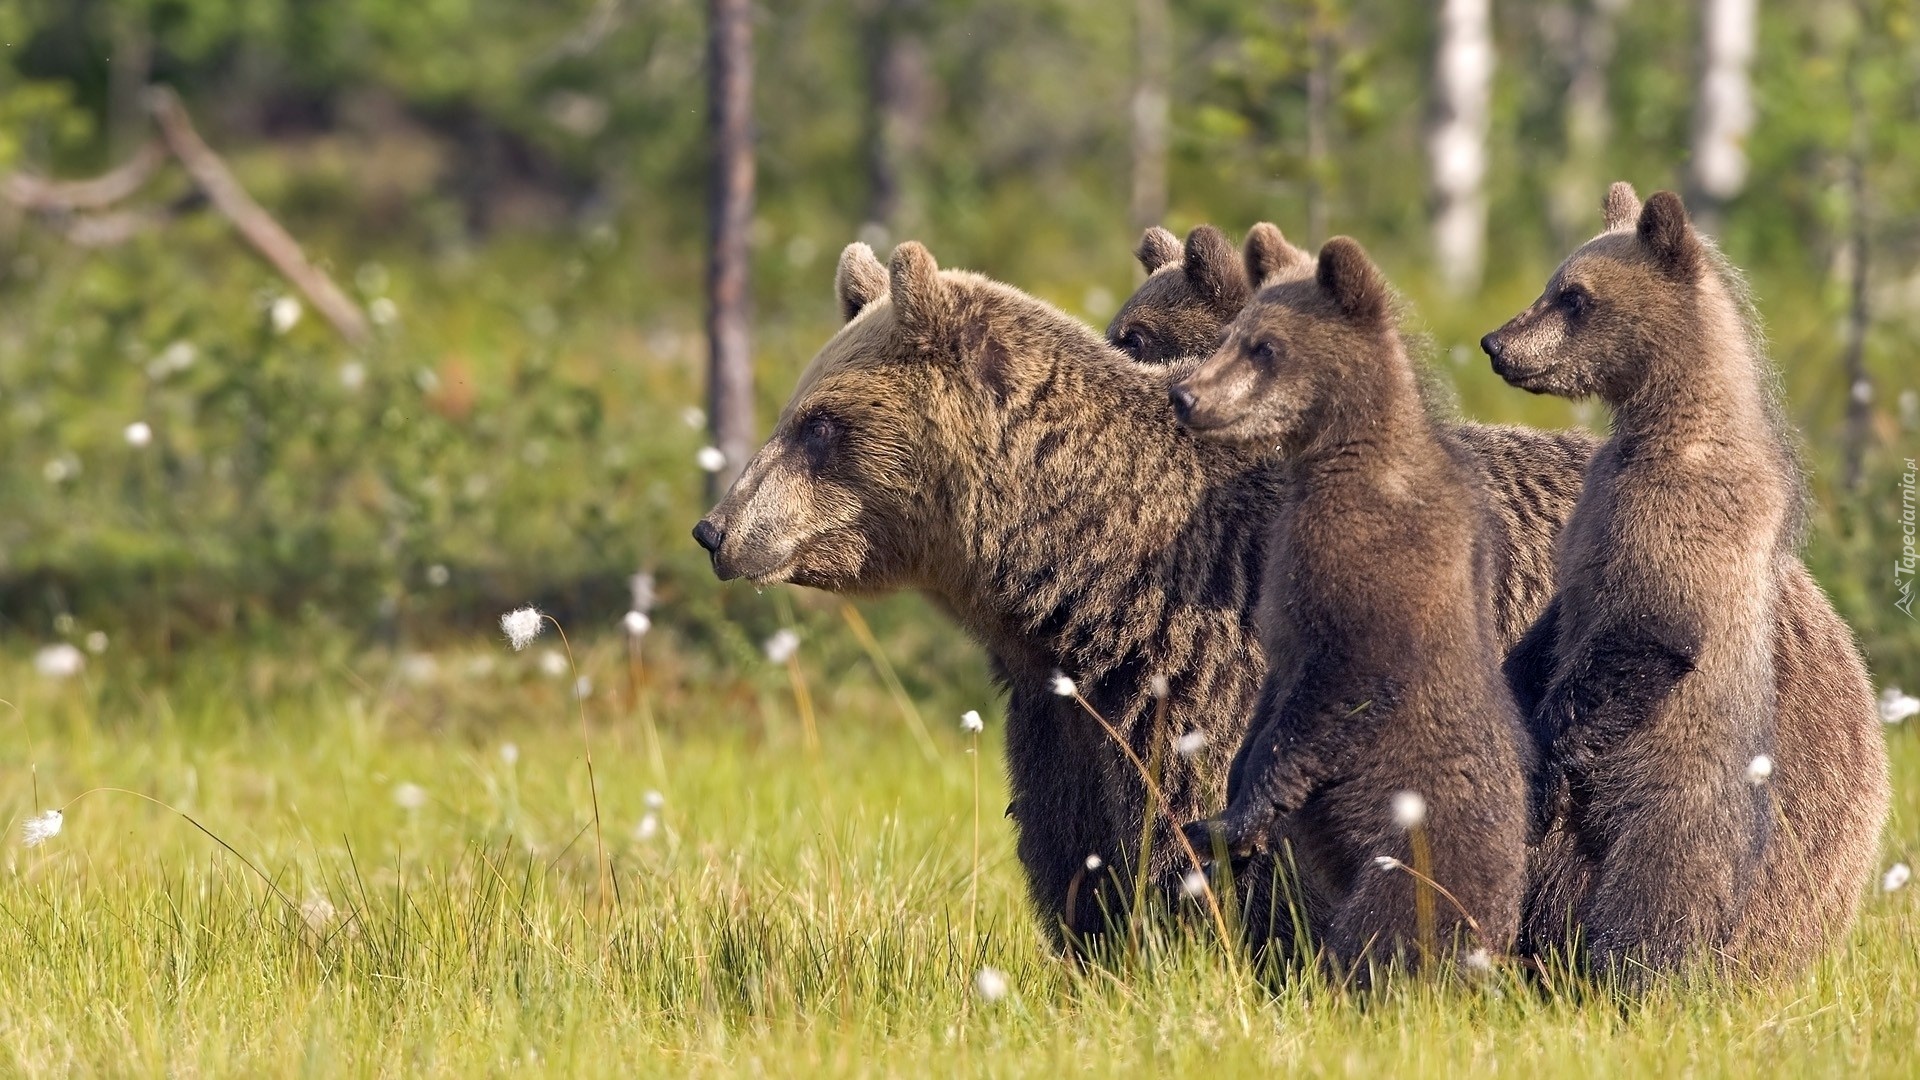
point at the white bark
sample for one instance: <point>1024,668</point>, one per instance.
<point>1457,142</point>
<point>1151,57</point>
<point>1723,115</point>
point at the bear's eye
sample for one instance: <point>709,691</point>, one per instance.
<point>1264,353</point>
<point>1133,343</point>
<point>1574,300</point>
<point>817,438</point>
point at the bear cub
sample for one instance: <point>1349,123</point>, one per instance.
<point>1650,676</point>
<point>1385,739</point>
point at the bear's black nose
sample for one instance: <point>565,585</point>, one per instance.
<point>1491,345</point>
<point>708,536</point>
<point>1182,399</point>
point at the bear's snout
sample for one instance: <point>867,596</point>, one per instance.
<point>1183,401</point>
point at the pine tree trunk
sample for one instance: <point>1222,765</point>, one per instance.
<point>1457,141</point>
<point>1151,55</point>
<point>1723,112</point>
<point>730,127</point>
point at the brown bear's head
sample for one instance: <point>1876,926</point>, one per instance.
<point>1303,337</point>
<point>1188,296</point>
<point>851,490</point>
<point>1615,302</point>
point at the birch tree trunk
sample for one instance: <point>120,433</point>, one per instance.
<point>1319,120</point>
<point>730,128</point>
<point>1723,111</point>
<point>1457,141</point>
<point>1859,314</point>
<point>1586,118</point>
<point>1152,44</point>
<point>900,88</point>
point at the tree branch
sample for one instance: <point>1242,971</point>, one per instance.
<point>42,195</point>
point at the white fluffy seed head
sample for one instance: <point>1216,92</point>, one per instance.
<point>1896,876</point>
<point>521,626</point>
<point>41,828</point>
<point>409,796</point>
<point>654,800</point>
<point>971,723</point>
<point>59,661</point>
<point>710,459</point>
<point>990,984</point>
<point>1194,884</point>
<point>1896,705</point>
<point>782,645</point>
<point>1386,862</point>
<point>1409,809</point>
<point>1063,686</point>
<point>1157,686</point>
<point>1479,961</point>
<point>284,314</point>
<point>97,642</point>
<point>1759,770</point>
<point>438,575</point>
<point>1093,862</point>
<point>552,664</point>
<point>647,828</point>
<point>1190,744</point>
<point>138,434</point>
<point>510,754</point>
<point>636,624</point>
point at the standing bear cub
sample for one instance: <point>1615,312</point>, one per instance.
<point>1385,737</point>
<point>1712,769</point>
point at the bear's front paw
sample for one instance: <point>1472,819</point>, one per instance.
<point>1236,835</point>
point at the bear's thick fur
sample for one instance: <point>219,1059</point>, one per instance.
<point>962,439</point>
<point>1686,639</point>
<point>1189,294</point>
<point>1384,678</point>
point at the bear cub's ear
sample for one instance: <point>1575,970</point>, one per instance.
<point>1269,258</point>
<point>1158,247</point>
<point>1621,206</point>
<point>1670,238</point>
<point>1350,278</point>
<point>1214,269</point>
<point>860,280</point>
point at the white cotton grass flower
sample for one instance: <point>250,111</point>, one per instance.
<point>647,827</point>
<point>510,754</point>
<point>782,646</point>
<point>353,375</point>
<point>1896,705</point>
<point>694,417</point>
<point>990,984</point>
<point>1386,862</point>
<point>438,575</point>
<point>654,800</point>
<point>96,642</point>
<point>1190,744</point>
<point>971,723</point>
<point>1409,810</point>
<point>1895,878</point>
<point>409,796</point>
<point>552,664</point>
<point>1063,686</point>
<point>1193,885</point>
<point>1094,863</point>
<point>284,314</point>
<point>710,459</point>
<point>521,626</point>
<point>640,586</point>
<point>138,434</point>
<point>636,624</point>
<point>318,913</point>
<point>583,687</point>
<point>383,311</point>
<point>1157,686</point>
<point>1759,770</point>
<point>41,828</point>
<point>59,661</point>
<point>1479,961</point>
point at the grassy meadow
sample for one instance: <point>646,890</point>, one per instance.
<point>413,886</point>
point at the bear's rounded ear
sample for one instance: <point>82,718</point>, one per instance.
<point>1350,277</point>
<point>1270,258</point>
<point>859,281</point>
<point>1214,269</point>
<point>1621,206</point>
<point>1669,237</point>
<point>919,296</point>
<point>1158,247</point>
